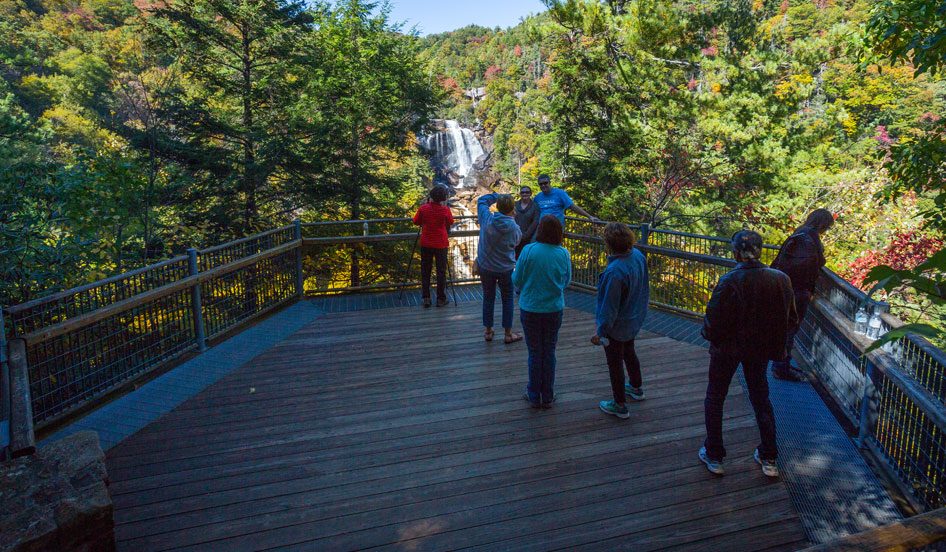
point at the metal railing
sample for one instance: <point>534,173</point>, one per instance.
<point>84,343</point>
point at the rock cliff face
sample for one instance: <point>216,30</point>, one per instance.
<point>57,499</point>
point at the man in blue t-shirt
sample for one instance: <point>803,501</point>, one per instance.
<point>552,201</point>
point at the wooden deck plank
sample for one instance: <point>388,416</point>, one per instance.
<point>361,434</point>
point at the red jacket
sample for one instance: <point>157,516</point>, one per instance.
<point>434,219</point>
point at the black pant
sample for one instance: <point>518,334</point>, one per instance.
<point>721,369</point>
<point>427,256</point>
<point>802,299</point>
<point>619,355</point>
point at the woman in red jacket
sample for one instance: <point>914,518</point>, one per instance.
<point>434,218</point>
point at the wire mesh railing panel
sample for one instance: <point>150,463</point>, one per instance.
<point>703,245</point>
<point>589,259</point>
<point>912,444</point>
<point>838,362</point>
<point>246,247</point>
<point>241,294</point>
<point>923,361</point>
<point>337,268</point>
<point>681,283</point>
<point>333,229</point>
<point>45,312</point>
<point>67,370</point>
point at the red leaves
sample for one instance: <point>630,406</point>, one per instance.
<point>905,251</point>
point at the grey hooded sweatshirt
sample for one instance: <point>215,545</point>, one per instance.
<point>499,235</point>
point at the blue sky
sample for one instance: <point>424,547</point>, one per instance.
<point>437,16</point>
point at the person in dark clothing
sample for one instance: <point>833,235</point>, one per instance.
<point>623,294</point>
<point>434,218</point>
<point>746,321</point>
<point>527,217</point>
<point>801,258</point>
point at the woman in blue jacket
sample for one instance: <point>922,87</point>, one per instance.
<point>496,259</point>
<point>623,293</point>
<point>543,270</point>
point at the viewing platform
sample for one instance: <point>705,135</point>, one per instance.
<point>259,396</point>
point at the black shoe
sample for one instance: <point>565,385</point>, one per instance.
<point>426,302</point>
<point>787,374</point>
<point>443,302</point>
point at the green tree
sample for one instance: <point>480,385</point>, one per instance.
<point>239,62</point>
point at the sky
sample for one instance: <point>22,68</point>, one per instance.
<point>438,16</point>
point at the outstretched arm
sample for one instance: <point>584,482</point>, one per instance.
<point>582,212</point>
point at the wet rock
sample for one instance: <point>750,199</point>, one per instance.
<point>57,499</point>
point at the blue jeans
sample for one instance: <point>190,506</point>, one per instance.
<point>490,281</point>
<point>541,329</point>
<point>721,369</point>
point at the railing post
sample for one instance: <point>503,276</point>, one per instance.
<point>22,438</point>
<point>196,306</point>
<point>645,233</point>
<point>300,276</point>
<point>4,392</point>
<point>866,428</point>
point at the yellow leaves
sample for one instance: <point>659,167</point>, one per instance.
<point>716,88</point>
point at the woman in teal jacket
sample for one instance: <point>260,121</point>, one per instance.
<point>543,270</point>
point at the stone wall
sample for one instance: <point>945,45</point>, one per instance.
<point>57,499</point>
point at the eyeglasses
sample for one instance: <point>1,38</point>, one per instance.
<point>525,193</point>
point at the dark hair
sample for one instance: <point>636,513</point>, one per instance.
<point>525,189</point>
<point>747,244</point>
<point>505,203</point>
<point>819,219</point>
<point>550,230</point>
<point>618,237</point>
<point>543,178</point>
<point>438,193</point>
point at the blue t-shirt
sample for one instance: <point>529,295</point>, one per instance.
<point>553,203</point>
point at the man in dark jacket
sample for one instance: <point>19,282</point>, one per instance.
<point>746,321</point>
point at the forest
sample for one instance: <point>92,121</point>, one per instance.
<point>132,130</point>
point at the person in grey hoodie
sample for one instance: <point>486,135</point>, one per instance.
<point>496,259</point>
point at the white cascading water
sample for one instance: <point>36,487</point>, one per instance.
<point>458,149</point>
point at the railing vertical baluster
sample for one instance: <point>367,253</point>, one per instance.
<point>22,438</point>
<point>866,427</point>
<point>196,306</point>
<point>645,233</point>
<point>4,391</point>
<point>300,276</point>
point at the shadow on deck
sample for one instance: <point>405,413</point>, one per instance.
<point>400,428</point>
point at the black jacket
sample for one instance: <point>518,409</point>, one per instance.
<point>801,257</point>
<point>527,219</point>
<point>750,312</point>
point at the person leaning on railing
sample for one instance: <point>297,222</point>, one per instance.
<point>747,319</point>
<point>623,294</point>
<point>542,272</point>
<point>553,201</point>
<point>434,218</point>
<point>496,258</point>
<point>801,258</point>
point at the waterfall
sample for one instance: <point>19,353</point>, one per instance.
<point>456,149</point>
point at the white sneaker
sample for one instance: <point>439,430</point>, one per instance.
<point>768,466</point>
<point>711,465</point>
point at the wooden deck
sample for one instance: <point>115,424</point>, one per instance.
<point>401,429</point>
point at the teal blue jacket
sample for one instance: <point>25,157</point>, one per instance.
<point>542,273</point>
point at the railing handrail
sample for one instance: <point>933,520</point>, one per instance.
<point>908,534</point>
<point>20,307</point>
<point>87,319</point>
<point>244,240</point>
